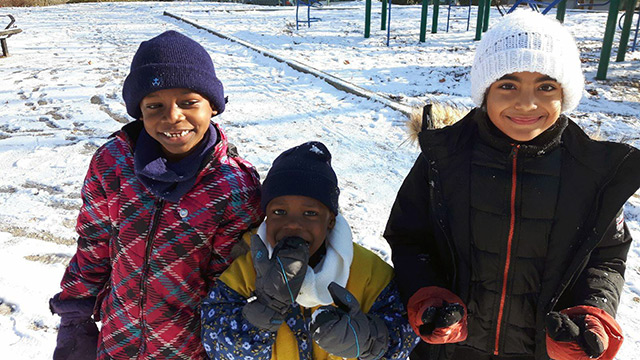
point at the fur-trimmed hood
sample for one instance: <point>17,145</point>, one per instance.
<point>434,116</point>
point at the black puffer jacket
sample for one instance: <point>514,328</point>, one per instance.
<point>569,243</point>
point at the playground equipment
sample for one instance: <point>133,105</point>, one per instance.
<point>386,16</point>
<point>536,5</point>
<point>609,32</point>
<point>452,3</point>
<point>309,4</point>
<point>634,43</point>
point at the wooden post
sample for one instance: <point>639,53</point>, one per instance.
<point>436,12</point>
<point>5,48</point>
<point>423,20</point>
<point>367,19</point>
<point>626,30</point>
<point>609,32</point>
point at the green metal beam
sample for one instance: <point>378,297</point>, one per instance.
<point>423,20</point>
<point>436,12</point>
<point>367,19</point>
<point>383,16</point>
<point>562,9</point>
<point>479,24</point>
<point>626,30</point>
<point>609,31</point>
<point>485,19</point>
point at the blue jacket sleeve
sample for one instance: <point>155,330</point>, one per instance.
<point>226,334</point>
<point>389,308</point>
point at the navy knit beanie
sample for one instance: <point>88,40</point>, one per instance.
<point>169,61</point>
<point>303,170</point>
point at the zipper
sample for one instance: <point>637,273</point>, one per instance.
<point>512,223</point>
<point>145,268</point>
<point>435,202</point>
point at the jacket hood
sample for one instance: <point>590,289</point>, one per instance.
<point>434,115</point>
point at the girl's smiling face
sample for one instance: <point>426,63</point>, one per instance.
<point>524,104</point>
<point>302,216</point>
<point>177,118</point>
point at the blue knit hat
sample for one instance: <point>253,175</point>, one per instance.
<point>303,170</point>
<point>169,61</point>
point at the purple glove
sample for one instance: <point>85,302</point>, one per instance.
<point>78,333</point>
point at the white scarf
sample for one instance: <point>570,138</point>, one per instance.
<point>334,266</point>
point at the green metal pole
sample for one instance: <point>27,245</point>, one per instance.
<point>562,9</point>
<point>423,20</point>
<point>609,31</point>
<point>367,19</point>
<point>479,23</point>
<point>485,19</point>
<point>626,30</point>
<point>436,11</point>
<point>383,16</point>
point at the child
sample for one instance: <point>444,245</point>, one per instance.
<point>163,203</point>
<point>275,301</point>
<point>507,235</point>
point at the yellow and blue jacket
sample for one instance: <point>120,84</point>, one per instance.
<point>226,334</point>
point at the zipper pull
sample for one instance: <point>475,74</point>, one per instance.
<point>514,150</point>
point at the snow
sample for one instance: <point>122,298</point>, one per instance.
<point>60,98</point>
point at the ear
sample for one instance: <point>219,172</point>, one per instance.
<point>332,222</point>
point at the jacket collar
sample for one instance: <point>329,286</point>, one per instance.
<point>538,146</point>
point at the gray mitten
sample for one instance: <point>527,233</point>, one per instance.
<point>344,330</point>
<point>278,280</point>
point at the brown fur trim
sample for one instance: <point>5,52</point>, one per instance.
<point>442,114</point>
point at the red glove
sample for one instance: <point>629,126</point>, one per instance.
<point>437,315</point>
<point>582,333</point>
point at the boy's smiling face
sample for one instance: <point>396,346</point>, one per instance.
<point>177,118</point>
<point>302,216</point>
<point>524,104</point>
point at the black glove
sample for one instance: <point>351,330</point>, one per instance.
<point>440,317</point>
<point>78,334</point>
<point>561,328</point>
<point>278,280</point>
<point>346,331</point>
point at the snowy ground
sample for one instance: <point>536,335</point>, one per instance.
<point>60,99</point>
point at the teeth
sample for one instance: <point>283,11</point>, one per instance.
<point>172,135</point>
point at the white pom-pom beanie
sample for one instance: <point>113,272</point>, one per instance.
<point>528,41</point>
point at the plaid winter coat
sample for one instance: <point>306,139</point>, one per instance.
<point>150,262</point>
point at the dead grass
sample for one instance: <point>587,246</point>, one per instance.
<point>27,3</point>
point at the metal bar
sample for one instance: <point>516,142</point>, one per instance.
<point>635,38</point>
<point>468,15</point>
<point>367,19</point>
<point>479,22</point>
<point>485,18</point>
<point>562,9</point>
<point>449,14</point>
<point>436,12</point>
<point>297,8</point>
<point>383,16</point>
<point>609,32</point>
<point>626,30</point>
<point>388,22</point>
<point>423,20</point>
